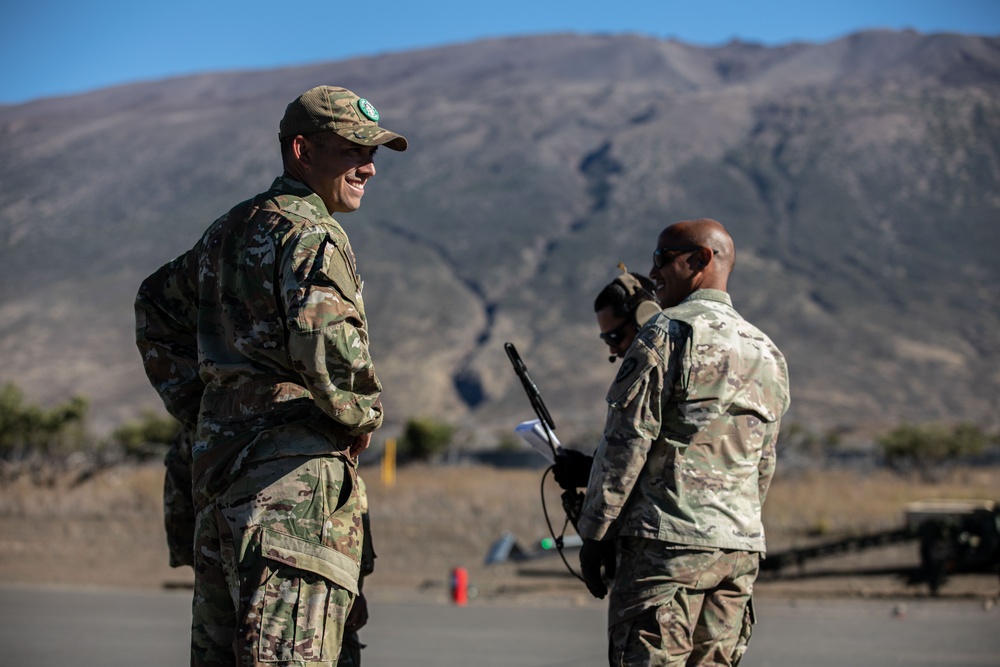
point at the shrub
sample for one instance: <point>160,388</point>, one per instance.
<point>795,436</point>
<point>929,446</point>
<point>28,429</point>
<point>424,437</point>
<point>148,437</point>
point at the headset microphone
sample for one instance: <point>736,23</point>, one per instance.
<point>612,358</point>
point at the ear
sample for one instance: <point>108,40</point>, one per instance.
<point>703,257</point>
<point>302,150</point>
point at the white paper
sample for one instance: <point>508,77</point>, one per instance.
<point>534,433</point>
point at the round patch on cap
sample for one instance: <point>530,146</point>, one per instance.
<point>368,109</point>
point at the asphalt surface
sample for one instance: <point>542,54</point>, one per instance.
<point>110,627</point>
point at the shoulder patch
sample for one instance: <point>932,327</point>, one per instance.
<point>628,366</point>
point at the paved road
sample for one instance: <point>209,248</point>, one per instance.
<point>107,628</point>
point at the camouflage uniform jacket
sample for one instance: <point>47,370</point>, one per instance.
<point>688,449</point>
<point>258,335</point>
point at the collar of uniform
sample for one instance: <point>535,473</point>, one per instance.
<point>710,295</point>
<point>290,186</point>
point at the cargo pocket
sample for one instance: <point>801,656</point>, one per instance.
<point>306,594</point>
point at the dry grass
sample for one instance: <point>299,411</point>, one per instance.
<point>844,502</point>
<point>437,518</point>
<point>114,492</point>
<point>107,529</point>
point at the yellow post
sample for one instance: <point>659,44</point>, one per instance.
<point>389,462</point>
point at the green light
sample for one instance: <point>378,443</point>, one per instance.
<point>548,543</point>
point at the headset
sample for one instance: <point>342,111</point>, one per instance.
<point>640,304</point>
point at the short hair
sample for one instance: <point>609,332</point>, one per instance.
<point>615,296</point>
<point>319,139</point>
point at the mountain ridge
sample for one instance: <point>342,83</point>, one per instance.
<point>859,177</point>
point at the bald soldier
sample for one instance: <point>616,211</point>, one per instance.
<point>688,451</point>
<point>256,340</point>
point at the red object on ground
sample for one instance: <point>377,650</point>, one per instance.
<point>459,586</point>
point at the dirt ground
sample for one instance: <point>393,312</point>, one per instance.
<point>105,529</point>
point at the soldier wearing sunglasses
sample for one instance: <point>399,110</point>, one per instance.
<point>671,519</point>
<point>622,307</point>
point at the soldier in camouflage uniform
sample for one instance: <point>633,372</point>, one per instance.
<point>684,466</point>
<point>256,340</point>
<point>622,307</point>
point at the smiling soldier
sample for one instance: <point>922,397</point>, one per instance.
<point>256,340</point>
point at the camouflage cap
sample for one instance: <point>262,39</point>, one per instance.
<point>332,109</point>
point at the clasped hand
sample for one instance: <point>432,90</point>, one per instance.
<point>596,555</point>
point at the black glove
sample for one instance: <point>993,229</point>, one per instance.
<point>572,502</point>
<point>572,469</point>
<point>595,554</point>
<point>357,618</point>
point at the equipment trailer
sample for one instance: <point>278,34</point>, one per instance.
<point>955,536</point>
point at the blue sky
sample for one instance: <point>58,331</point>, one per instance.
<point>61,47</point>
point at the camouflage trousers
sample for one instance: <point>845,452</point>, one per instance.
<point>277,564</point>
<point>672,607</point>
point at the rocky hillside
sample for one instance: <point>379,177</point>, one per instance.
<point>860,179</point>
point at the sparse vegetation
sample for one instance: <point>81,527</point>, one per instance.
<point>147,437</point>
<point>58,436</point>
<point>449,515</point>
<point>509,443</point>
<point>424,438</point>
<point>27,429</point>
<point>823,502</point>
<point>927,447</point>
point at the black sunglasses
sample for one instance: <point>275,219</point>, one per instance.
<point>616,336</point>
<point>659,255</point>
